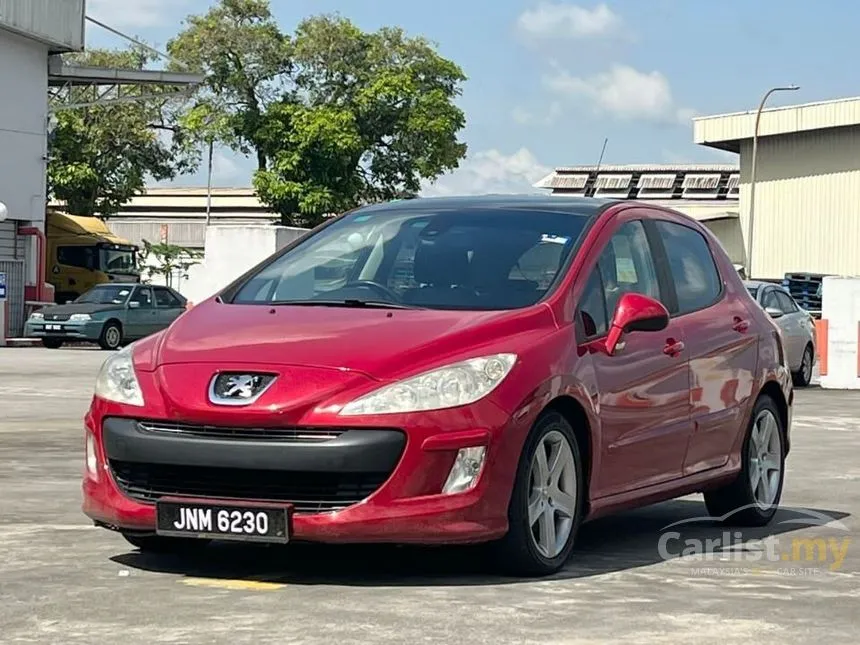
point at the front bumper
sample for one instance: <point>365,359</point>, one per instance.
<point>364,485</point>
<point>89,330</point>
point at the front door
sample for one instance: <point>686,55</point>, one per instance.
<point>643,389</point>
<point>722,345</point>
<point>142,318</point>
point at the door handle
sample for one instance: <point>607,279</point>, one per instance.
<point>673,347</point>
<point>741,325</point>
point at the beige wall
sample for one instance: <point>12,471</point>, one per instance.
<point>807,203</point>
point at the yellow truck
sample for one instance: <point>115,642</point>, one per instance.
<point>83,252</point>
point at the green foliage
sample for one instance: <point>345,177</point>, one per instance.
<point>99,157</point>
<point>335,116</point>
<point>171,261</point>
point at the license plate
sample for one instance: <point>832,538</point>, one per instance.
<point>248,523</point>
<point>54,327</point>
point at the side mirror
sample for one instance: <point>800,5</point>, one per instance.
<point>773,312</point>
<point>134,304</point>
<point>635,312</point>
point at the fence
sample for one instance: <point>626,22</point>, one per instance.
<point>14,270</point>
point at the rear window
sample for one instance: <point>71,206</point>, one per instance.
<point>473,259</point>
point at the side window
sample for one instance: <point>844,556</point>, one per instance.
<point>592,308</point>
<point>166,299</point>
<point>694,271</point>
<point>770,300</point>
<point>626,266</point>
<point>786,303</point>
<point>144,296</point>
<point>75,256</point>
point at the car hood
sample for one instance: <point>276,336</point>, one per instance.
<point>77,308</point>
<point>380,343</point>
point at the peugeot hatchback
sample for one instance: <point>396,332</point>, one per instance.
<point>437,371</point>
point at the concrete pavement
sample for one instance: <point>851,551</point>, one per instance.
<point>63,581</point>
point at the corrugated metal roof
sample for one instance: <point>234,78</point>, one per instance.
<point>726,131</point>
<point>676,167</point>
<point>57,23</point>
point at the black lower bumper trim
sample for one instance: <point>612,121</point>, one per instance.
<point>353,451</point>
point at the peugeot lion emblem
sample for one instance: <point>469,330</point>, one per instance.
<point>230,388</point>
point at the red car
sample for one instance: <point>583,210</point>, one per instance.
<point>453,370</point>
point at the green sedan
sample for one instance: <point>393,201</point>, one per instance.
<point>109,314</point>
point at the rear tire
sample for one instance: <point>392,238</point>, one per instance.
<point>753,498</point>
<point>803,377</point>
<point>52,343</point>
<point>111,336</point>
<point>165,545</point>
<point>555,496</point>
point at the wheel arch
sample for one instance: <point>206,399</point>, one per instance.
<point>574,412</point>
<point>773,389</point>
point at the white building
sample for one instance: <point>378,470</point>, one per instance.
<point>807,213</point>
<point>30,31</point>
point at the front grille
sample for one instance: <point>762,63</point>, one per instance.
<point>307,492</point>
<point>302,435</point>
<point>57,317</point>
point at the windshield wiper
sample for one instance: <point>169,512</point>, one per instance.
<point>348,302</point>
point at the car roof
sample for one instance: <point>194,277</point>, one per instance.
<point>575,205</point>
<point>763,283</point>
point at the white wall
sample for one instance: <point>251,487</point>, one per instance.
<point>23,118</point>
<point>229,252</point>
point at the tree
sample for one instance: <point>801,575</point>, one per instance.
<point>246,59</point>
<point>99,157</point>
<point>335,116</point>
<point>170,261</point>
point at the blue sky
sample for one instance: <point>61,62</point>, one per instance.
<point>548,80</point>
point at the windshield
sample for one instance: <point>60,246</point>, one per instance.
<point>476,259</point>
<point>106,295</point>
<point>753,291</point>
<point>112,260</point>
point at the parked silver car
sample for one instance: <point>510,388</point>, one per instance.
<point>797,324</point>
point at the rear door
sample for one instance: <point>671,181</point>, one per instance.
<point>721,343</point>
<point>169,306</point>
<point>642,390</point>
<point>792,322</point>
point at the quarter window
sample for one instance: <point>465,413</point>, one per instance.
<point>694,272</point>
<point>592,307</point>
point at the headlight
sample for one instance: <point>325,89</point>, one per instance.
<point>446,387</point>
<point>79,317</point>
<point>117,381</point>
<point>37,315</point>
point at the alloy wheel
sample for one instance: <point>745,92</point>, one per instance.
<point>765,455</point>
<point>552,499</point>
<point>112,337</point>
<point>806,367</point>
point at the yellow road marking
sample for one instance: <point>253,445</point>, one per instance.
<point>221,583</point>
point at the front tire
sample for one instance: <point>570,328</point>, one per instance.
<point>546,505</point>
<point>52,343</point>
<point>162,545</point>
<point>111,336</point>
<point>753,498</point>
<point>803,377</point>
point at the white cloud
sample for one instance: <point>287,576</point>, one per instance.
<point>491,171</point>
<point>623,92</point>
<point>545,116</point>
<point>138,14</point>
<point>570,21</point>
